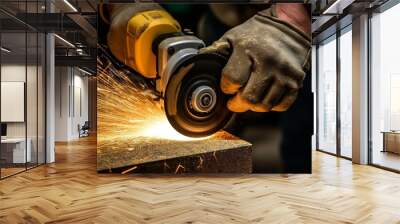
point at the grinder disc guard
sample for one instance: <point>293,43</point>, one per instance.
<point>193,101</point>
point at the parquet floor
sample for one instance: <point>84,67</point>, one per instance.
<point>70,191</point>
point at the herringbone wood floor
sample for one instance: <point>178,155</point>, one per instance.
<point>70,191</point>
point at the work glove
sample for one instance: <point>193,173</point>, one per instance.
<point>268,60</point>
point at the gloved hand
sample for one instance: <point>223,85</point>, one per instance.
<point>268,62</point>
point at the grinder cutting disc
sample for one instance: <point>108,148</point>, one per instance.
<point>193,101</point>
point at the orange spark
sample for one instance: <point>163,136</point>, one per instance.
<point>200,163</point>
<point>129,170</point>
<point>127,109</point>
<point>179,167</point>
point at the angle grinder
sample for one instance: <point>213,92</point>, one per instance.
<point>187,81</point>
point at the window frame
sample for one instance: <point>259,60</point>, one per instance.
<point>337,34</point>
<point>378,10</point>
<point>31,30</point>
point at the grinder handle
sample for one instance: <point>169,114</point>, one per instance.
<point>142,30</point>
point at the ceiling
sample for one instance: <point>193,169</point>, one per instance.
<point>76,20</point>
<point>23,23</point>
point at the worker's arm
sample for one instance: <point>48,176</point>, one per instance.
<point>295,14</point>
<point>269,57</point>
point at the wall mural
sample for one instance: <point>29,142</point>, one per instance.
<point>183,89</point>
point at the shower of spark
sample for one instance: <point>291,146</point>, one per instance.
<point>127,109</point>
<point>161,128</point>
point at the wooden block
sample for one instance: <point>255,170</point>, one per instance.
<point>221,153</point>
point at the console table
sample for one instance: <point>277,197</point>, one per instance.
<point>391,141</point>
<point>13,150</point>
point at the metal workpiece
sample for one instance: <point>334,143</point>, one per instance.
<point>220,153</point>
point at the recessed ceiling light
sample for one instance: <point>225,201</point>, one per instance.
<point>337,7</point>
<point>84,71</point>
<point>5,50</point>
<point>64,40</point>
<point>70,5</point>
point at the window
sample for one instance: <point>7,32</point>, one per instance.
<point>22,76</point>
<point>334,138</point>
<point>385,89</point>
<point>327,95</point>
<point>346,92</point>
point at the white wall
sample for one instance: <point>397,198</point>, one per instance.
<point>13,73</point>
<point>79,117</point>
<point>62,81</point>
<point>71,102</point>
